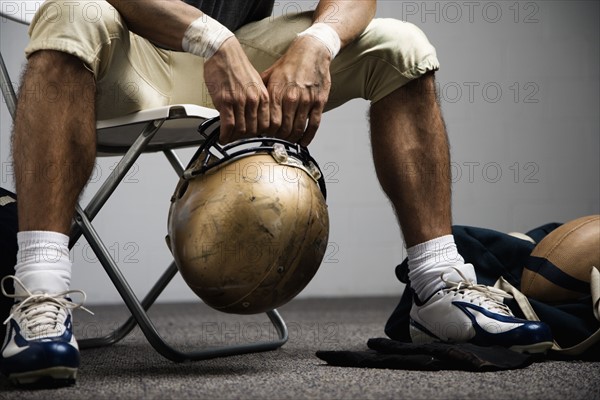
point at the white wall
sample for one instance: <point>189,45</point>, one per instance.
<point>520,92</point>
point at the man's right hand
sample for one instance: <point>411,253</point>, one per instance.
<point>236,88</point>
<point>237,92</point>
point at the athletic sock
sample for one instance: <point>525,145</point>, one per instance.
<point>43,263</point>
<point>429,260</point>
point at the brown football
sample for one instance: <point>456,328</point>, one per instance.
<point>559,267</point>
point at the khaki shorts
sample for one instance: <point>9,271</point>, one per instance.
<point>133,74</point>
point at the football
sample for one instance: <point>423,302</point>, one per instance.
<point>560,265</point>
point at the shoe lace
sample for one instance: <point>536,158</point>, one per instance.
<point>41,314</point>
<point>488,297</point>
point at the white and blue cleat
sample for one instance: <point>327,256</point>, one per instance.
<point>39,347</point>
<point>467,312</point>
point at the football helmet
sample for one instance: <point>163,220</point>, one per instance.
<point>248,224</point>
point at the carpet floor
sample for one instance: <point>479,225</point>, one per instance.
<point>132,369</point>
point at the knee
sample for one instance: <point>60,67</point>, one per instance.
<point>421,92</point>
<point>56,77</point>
<point>85,30</point>
<point>387,55</point>
<point>414,100</point>
<point>391,32</point>
<point>402,44</point>
<point>48,64</point>
<point>422,85</point>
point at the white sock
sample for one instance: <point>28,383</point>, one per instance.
<point>428,261</point>
<point>43,263</point>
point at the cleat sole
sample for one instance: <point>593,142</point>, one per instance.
<point>420,337</point>
<point>55,376</point>
<point>536,348</point>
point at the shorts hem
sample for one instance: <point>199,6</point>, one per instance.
<point>429,64</point>
<point>63,47</point>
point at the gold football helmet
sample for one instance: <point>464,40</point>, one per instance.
<point>248,223</point>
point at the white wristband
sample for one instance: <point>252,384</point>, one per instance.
<point>326,35</point>
<point>204,36</point>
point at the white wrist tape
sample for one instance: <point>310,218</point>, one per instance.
<point>204,36</point>
<point>325,34</point>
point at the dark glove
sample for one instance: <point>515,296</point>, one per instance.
<point>392,354</point>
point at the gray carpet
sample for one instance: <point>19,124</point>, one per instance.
<point>132,369</point>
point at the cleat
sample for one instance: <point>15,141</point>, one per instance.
<point>39,347</point>
<point>467,312</point>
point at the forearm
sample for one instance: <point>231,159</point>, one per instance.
<point>161,21</point>
<point>349,18</point>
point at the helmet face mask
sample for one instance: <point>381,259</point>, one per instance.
<point>212,154</point>
<point>248,224</point>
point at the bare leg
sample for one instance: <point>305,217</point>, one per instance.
<point>410,150</point>
<point>54,140</point>
<point>54,146</point>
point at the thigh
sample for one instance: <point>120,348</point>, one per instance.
<point>387,55</point>
<point>130,72</point>
<point>133,74</point>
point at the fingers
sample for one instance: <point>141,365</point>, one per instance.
<point>313,125</point>
<point>302,112</point>
<point>250,103</point>
<point>237,91</point>
<point>295,112</point>
<point>263,116</point>
<point>244,114</point>
<point>227,124</point>
<point>290,103</point>
<point>314,117</point>
<point>285,101</point>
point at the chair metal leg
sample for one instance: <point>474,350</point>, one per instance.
<point>128,325</point>
<point>8,91</point>
<point>144,322</point>
<point>138,309</point>
<point>175,162</point>
<point>117,175</point>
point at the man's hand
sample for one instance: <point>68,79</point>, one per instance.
<point>298,85</point>
<point>237,92</point>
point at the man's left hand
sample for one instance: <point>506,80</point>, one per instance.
<point>298,85</point>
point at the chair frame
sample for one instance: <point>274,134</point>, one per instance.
<point>82,225</point>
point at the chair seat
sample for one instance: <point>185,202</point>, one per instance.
<point>179,129</point>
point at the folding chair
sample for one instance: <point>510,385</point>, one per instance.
<point>163,130</point>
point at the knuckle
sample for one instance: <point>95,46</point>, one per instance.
<point>227,101</point>
<point>289,100</point>
<point>252,101</point>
